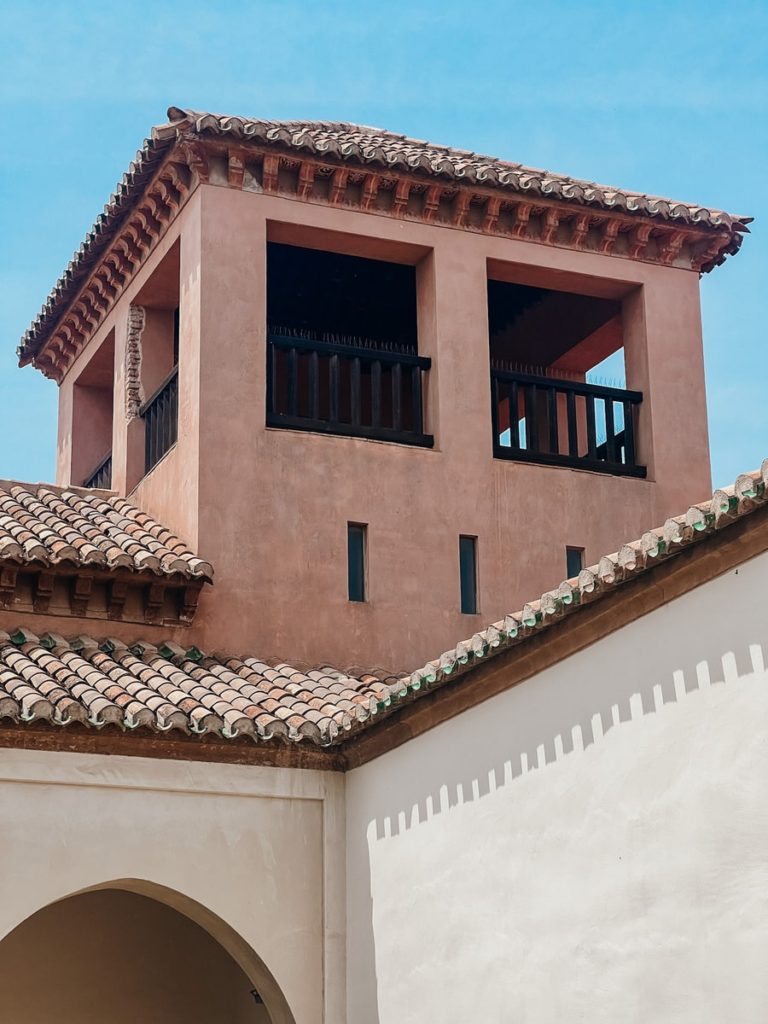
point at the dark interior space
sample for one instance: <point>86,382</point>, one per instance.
<point>342,347</point>
<point>543,344</point>
<point>333,297</point>
<point>538,327</point>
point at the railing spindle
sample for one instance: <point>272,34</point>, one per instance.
<point>397,391</point>
<point>591,432</point>
<point>376,394</point>
<point>416,410</point>
<point>293,382</point>
<point>514,415</point>
<point>354,384</point>
<point>629,434</point>
<point>573,430</point>
<point>531,424</point>
<point>314,385</point>
<point>333,384</point>
<point>610,432</point>
<point>554,437</point>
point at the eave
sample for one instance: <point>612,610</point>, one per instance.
<point>282,159</point>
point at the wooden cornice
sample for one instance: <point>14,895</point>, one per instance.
<point>256,168</point>
<point>32,589</point>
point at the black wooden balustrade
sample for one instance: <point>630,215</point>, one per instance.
<point>564,423</point>
<point>337,388</point>
<point>101,477</point>
<point>161,420</point>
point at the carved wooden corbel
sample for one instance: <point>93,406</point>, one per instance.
<point>522,216</point>
<point>402,195</point>
<point>708,252</point>
<point>461,209</point>
<point>670,247</point>
<point>82,586</point>
<point>153,603</point>
<point>609,235</point>
<point>638,240</point>
<point>43,591</point>
<point>189,598</point>
<point>235,168</point>
<point>492,211</point>
<point>118,591</point>
<point>306,180</point>
<point>432,202</point>
<point>580,230</point>
<point>196,156</point>
<point>551,223</point>
<point>8,580</point>
<point>338,185</point>
<point>269,170</point>
<point>370,191</point>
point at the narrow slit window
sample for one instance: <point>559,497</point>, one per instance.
<point>356,545</point>
<point>574,561</point>
<point>468,574</point>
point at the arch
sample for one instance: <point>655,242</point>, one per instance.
<point>215,928</point>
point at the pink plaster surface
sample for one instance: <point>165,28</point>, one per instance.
<point>269,508</point>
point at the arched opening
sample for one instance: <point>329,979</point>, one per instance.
<point>131,951</point>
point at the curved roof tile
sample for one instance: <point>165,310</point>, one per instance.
<point>362,145</point>
<point>164,688</point>
<point>46,525</point>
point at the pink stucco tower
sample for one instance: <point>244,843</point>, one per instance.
<point>362,376</point>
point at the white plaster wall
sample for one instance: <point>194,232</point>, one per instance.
<point>591,845</point>
<point>260,848</point>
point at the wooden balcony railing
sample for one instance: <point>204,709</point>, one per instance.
<point>564,423</point>
<point>161,420</point>
<point>337,388</point>
<point>101,477</point>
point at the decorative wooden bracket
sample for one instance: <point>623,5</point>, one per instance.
<point>82,587</point>
<point>118,591</point>
<point>306,180</point>
<point>153,606</point>
<point>8,579</point>
<point>269,169</point>
<point>189,598</point>
<point>43,591</point>
<point>338,185</point>
<point>522,216</point>
<point>402,194</point>
<point>671,246</point>
<point>370,191</point>
<point>235,169</point>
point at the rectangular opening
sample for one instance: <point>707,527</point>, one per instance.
<point>92,413</point>
<point>468,574</point>
<point>160,298</point>
<point>574,562</point>
<point>558,378</point>
<point>356,559</point>
<point>342,352</point>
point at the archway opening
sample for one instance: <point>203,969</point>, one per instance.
<point>115,955</point>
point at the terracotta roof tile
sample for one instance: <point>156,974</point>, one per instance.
<point>50,526</point>
<point>364,146</point>
<point>168,688</point>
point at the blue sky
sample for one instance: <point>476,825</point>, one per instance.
<point>669,98</point>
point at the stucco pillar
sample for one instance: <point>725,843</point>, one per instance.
<point>665,360</point>
<point>232,366</point>
<point>457,339</point>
